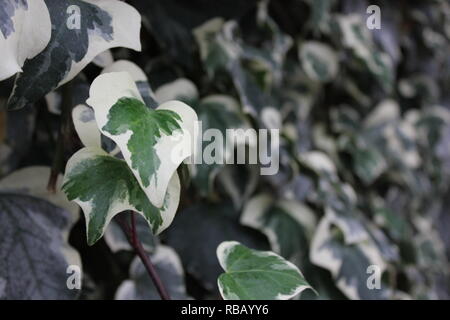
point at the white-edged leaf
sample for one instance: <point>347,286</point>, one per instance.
<point>34,252</point>
<point>25,30</point>
<point>104,186</point>
<point>104,24</point>
<point>257,275</point>
<point>34,231</point>
<point>153,142</point>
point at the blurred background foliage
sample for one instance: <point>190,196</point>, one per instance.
<point>364,149</point>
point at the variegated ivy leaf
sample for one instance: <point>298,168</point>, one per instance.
<point>81,29</point>
<point>348,263</point>
<point>34,230</point>
<point>153,142</point>
<point>141,287</point>
<point>20,39</point>
<point>356,36</point>
<point>287,224</point>
<point>215,112</point>
<point>139,78</point>
<point>319,61</point>
<point>104,186</point>
<point>257,275</point>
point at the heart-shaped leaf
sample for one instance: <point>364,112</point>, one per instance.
<point>153,142</point>
<point>104,186</point>
<point>257,275</point>
<point>103,24</point>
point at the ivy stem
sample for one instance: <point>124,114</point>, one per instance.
<point>134,241</point>
<point>64,133</point>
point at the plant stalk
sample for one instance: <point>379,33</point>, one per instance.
<point>134,241</point>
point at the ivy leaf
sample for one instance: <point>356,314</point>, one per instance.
<point>287,224</point>
<point>319,61</point>
<point>19,37</point>
<point>347,262</point>
<point>104,186</point>
<point>104,24</point>
<point>34,254</point>
<point>141,287</point>
<point>153,142</point>
<point>34,228</point>
<point>257,275</point>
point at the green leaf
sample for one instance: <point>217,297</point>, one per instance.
<point>104,24</point>
<point>104,186</point>
<point>257,275</point>
<point>153,142</point>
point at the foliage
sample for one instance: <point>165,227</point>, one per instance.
<point>364,148</point>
